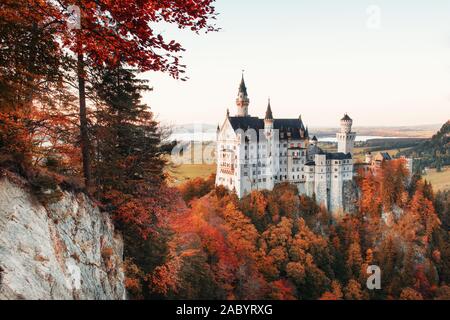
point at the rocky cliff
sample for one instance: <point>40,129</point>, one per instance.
<point>66,250</point>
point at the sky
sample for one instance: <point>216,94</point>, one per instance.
<point>384,62</point>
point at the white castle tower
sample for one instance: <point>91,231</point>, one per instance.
<point>242,100</point>
<point>346,138</point>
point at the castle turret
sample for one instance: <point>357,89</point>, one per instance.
<point>268,119</point>
<point>346,138</point>
<point>346,124</point>
<point>242,100</point>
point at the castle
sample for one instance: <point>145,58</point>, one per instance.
<point>257,154</point>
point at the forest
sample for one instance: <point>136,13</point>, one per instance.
<point>71,118</point>
<point>281,245</point>
<point>432,153</point>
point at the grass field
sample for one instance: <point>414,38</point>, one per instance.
<point>186,172</point>
<point>439,180</point>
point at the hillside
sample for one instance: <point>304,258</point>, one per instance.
<point>435,152</point>
<point>280,245</point>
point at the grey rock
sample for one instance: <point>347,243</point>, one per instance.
<point>67,250</point>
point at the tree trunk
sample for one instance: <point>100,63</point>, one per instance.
<point>85,145</point>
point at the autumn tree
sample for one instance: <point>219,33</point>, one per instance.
<point>31,66</point>
<point>197,188</point>
<point>335,293</point>
<point>111,34</point>
<point>410,294</point>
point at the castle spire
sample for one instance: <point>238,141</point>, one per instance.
<point>269,115</point>
<point>242,87</point>
<point>242,100</point>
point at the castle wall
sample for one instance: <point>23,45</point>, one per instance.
<point>320,180</point>
<point>336,182</point>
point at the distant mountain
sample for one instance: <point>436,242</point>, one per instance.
<point>434,152</point>
<point>191,127</point>
<point>418,131</point>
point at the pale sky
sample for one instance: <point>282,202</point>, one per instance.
<point>317,58</point>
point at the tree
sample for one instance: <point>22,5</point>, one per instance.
<point>111,34</point>
<point>410,294</point>
<point>254,205</point>
<point>129,161</point>
<point>335,294</point>
<point>197,188</point>
<point>353,291</point>
<point>282,290</point>
<point>31,67</point>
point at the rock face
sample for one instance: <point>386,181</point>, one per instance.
<point>350,196</point>
<point>67,250</point>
